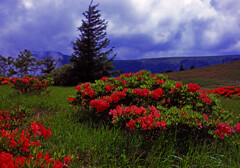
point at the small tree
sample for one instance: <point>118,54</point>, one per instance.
<point>90,57</point>
<point>7,67</point>
<point>181,68</point>
<point>49,64</point>
<point>25,63</point>
<point>3,65</point>
<point>192,67</point>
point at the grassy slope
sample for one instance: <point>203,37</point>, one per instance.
<point>227,74</point>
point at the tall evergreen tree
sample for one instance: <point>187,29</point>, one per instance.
<point>90,57</point>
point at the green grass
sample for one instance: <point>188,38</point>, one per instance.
<point>95,145</point>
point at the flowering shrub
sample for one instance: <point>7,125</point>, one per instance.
<point>151,103</point>
<point>227,91</point>
<point>26,84</point>
<point>14,118</point>
<point>22,148</point>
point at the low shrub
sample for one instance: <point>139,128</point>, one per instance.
<point>26,84</point>
<point>150,104</point>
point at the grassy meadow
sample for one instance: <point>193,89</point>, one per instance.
<point>95,145</point>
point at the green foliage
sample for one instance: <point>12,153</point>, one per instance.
<point>25,63</point>
<point>3,66</point>
<point>48,65</point>
<point>62,76</point>
<point>90,58</point>
<point>7,66</point>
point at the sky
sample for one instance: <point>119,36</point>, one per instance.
<point>137,28</point>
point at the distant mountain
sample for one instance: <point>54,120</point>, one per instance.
<point>158,65</point>
<point>56,55</point>
<point>155,65</point>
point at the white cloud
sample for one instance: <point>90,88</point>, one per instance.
<point>161,19</point>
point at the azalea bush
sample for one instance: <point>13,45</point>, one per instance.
<point>26,84</point>
<point>22,147</point>
<point>228,91</point>
<point>150,104</point>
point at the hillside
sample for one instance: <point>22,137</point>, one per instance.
<point>225,74</point>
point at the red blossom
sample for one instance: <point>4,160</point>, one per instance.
<point>67,159</point>
<point>207,100</point>
<point>99,104</point>
<point>104,78</point>
<point>131,124</point>
<point>178,85</point>
<point>205,116</point>
<point>108,88</point>
<point>141,92</point>
<point>71,99</point>
<point>78,88</point>
<point>192,87</point>
<point>157,93</point>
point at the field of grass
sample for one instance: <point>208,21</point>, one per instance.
<point>226,74</point>
<point>95,145</point>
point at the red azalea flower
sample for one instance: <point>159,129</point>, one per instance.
<point>70,99</point>
<point>58,164</point>
<point>178,85</point>
<point>157,93</point>
<point>67,159</point>
<point>205,116</point>
<point>192,87</point>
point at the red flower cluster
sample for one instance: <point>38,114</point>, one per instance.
<point>178,85</point>
<point>193,87</point>
<point>223,129</point>
<point>104,78</point>
<point>116,96</point>
<point>109,88</point>
<point>87,90</point>
<point>38,129</point>
<point>157,93</point>
<point>141,92</point>
<point>139,117</point>
<point>21,145</point>
<point>227,91</point>
<point>104,103</point>
<point>204,97</point>
<point>159,81</point>
<point>99,104</point>
<point>71,99</point>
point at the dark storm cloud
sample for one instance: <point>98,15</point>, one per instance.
<point>137,28</point>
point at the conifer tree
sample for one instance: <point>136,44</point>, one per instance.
<point>49,64</point>
<point>26,63</point>
<point>90,58</point>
